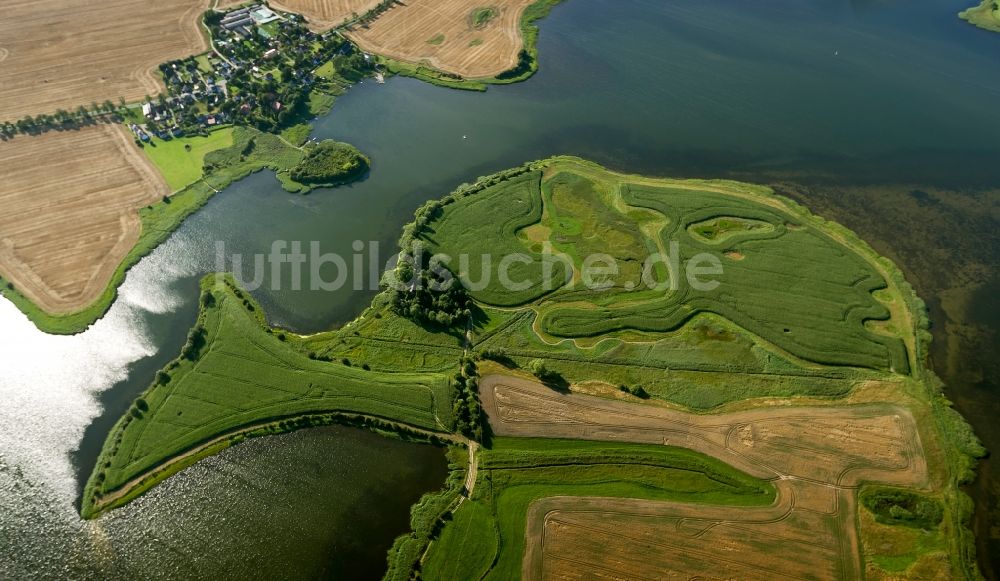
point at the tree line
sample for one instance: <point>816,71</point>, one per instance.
<point>106,112</point>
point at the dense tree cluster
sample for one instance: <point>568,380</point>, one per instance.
<point>469,417</point>
<point>330,162</point>
<point>430,296</point>
<point>903,507</point>
<point>550,377</point>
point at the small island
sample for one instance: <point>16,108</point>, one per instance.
<point>330,163</point>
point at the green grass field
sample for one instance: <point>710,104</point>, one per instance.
<point>181,160</point>
<point>486,535</point>
<point>785,279</point>
<point>235,372</point>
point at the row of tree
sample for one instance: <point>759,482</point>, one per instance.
<point>470,420</point>
<point>63,119</point>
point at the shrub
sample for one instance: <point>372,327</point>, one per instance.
<point>903,507</point>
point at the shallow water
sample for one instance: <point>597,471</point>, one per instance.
<point>851,107</point>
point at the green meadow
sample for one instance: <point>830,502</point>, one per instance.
<point>181,160</point>
<point>783,278</point>
<point>235,372</point>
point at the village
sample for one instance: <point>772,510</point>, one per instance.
<point>261,71</point>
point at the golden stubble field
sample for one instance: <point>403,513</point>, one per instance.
<point>60,54</point>
<point>70,202</point>
<point>816,457</point>
<point>442,34</point>
<point>325,14</point>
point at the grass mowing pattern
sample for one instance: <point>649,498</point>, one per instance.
<point>487,224</point>
<point>785,279</point>
<point>517,471</point>
<point>233,373</point>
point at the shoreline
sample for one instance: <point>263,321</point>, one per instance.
<point>193,197</point>
<point>147,480</point>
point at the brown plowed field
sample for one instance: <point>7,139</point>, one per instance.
<point>441,34</point>
<point>325,14</point>
<point>60,54</point>
<point>70,202</point>
<point>816,456</point>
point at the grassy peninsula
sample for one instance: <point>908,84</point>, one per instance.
<point>986,15</point>
<point>810,333</point>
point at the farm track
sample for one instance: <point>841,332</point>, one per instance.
<point>815,456</point>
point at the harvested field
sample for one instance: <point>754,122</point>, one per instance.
<point>590,537</point>
<point>816,456</point>
<point>67,224</point>
<point>460,47</point>
<point>61,54</point>
<point>839,446</point>
<point>325,14</point>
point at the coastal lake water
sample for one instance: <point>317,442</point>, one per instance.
<point>878,114</point>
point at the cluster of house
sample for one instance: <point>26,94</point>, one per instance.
<point>189,84</point>
<point>223,88</point>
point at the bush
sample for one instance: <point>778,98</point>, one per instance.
<point>538,368</point>
<point>903,507</point>
<point>638,391</point>
<point>498,355</point>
